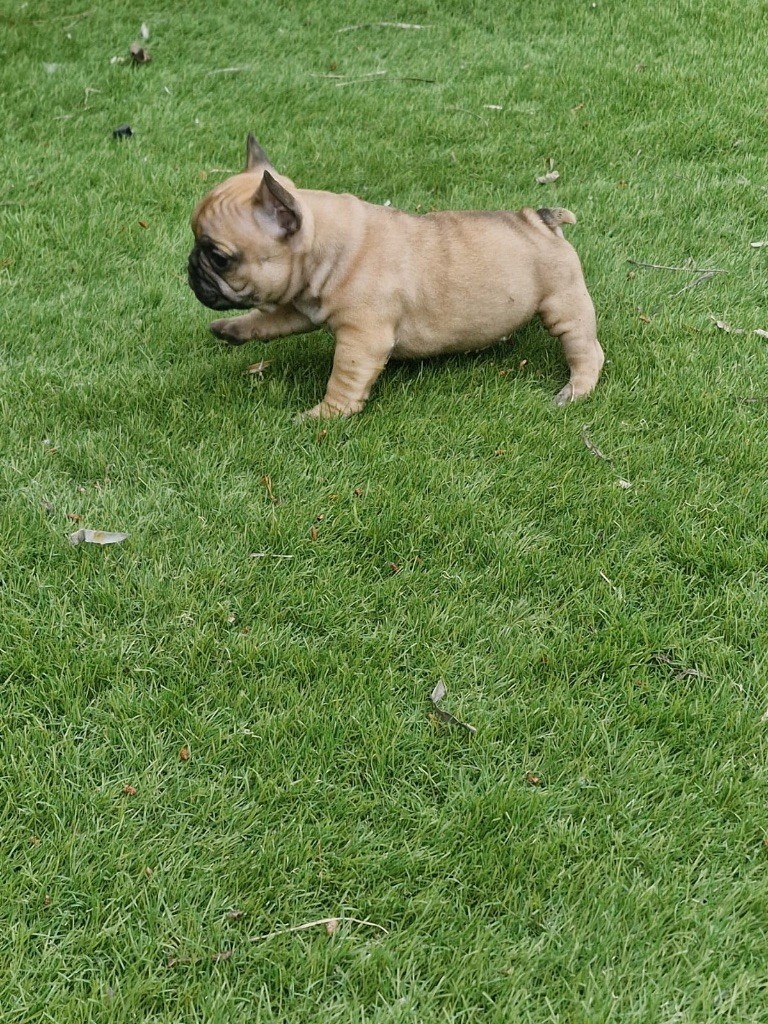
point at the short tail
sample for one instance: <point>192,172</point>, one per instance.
<point>553,217</point>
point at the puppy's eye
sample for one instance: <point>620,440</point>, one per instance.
<point>219,260</point>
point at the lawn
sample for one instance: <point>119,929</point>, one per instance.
<point>220,730</point>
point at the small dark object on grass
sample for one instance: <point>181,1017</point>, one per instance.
<point>139,55</point>
<point>123,131</point>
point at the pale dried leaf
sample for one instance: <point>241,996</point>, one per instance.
<point>723,326</point>
<point>225,954</point>
<point>758,245</point>
<point>235,915</point>
<point>258,368</point>
<point>314,924</point>
<point>762,333</point>
<point>144,31</point>
<point>332,925</point>
<point>438,693</point>
<point>100,537</point>
<point>547,179</point>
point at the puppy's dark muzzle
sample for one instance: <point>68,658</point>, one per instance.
<point>206,290</point>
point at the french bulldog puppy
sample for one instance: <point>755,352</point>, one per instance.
<point>387,283</point>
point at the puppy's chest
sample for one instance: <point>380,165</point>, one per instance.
<point>312,308</point>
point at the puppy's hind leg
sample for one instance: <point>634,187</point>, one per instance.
<point>236,330</point>
<point>570,316</point>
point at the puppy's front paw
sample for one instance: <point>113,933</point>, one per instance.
<point>317,412</point>
<point>229,330</point>
<point>325,411</point>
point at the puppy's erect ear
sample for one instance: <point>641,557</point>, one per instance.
<point>280,209</point>
<point>255,155</point>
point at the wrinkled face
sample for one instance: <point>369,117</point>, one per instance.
<point>246,231</point>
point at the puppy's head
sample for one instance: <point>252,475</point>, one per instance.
<point>248,232</point>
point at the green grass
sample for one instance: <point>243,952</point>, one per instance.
<point>607,642</point>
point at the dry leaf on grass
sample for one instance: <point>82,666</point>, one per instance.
<point>532,779</point>
<point>445,716</point>
<point>225,954</point>
<point>174,961</point>
<point>758,245</point>
<point>762,333</point>
<point>332,925</point>
<point>438,693</point>
<point>144,31</point>
<point>257,369</point>
<point>723,326</point>
<point>100,537</point>
<point>547,179</point>
<point>235,915</point>
<point>184,753</point>
<point>267,481</point>
<point>130,790</point>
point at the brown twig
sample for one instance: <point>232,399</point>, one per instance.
<point>686,270</point>
<point>381,77</point>
<point>625,484</point>
<point>592,447</point>
<point>692,284</point>
<point>680,671</point>
<point>378,24</point>
<point>463,110</point>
